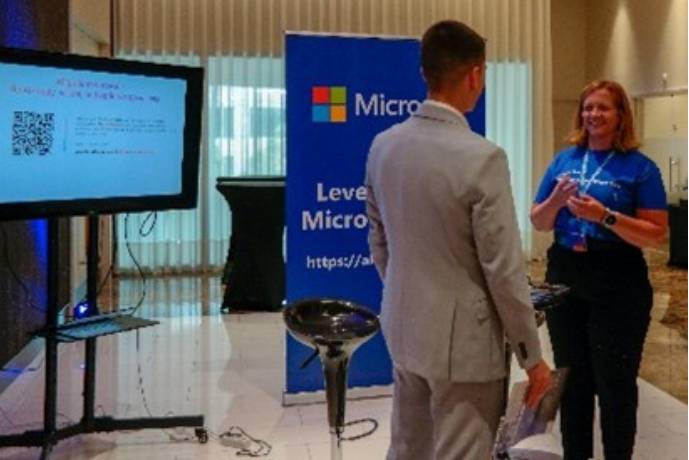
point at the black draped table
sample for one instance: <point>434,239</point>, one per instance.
<point>678,233</point>
<point>254,275</point>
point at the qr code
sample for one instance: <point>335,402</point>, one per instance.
<point>32,133</point>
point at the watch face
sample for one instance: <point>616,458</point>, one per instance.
<point>610,219</point>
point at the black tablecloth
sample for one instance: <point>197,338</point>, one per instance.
<point>678,234</point>
<point>254,273</point>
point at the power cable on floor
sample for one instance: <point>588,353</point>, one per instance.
<point>374,427</point>
<point>234,437</point>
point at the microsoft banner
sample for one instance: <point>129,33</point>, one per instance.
<point>341,92</point>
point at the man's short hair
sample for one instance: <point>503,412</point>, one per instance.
<point>447,47</point>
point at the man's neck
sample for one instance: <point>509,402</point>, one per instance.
<point>444,105</point>
<point>454,100</point>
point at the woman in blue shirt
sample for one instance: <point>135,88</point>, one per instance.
<point>605,201</point>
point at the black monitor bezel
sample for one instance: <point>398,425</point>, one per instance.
<point>186,199</point>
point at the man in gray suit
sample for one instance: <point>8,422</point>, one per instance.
<point>444,238</point>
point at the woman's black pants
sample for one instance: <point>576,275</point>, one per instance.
<point>599,334</point>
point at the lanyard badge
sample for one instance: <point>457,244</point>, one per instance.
<point>584,186</point>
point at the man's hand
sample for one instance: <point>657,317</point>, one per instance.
<point>539,382</point>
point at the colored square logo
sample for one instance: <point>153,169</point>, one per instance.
<point>338,95</point>
<point>320,95</point>
<point>329,104</point>
<point>338,113</point>
<point>320,113</point>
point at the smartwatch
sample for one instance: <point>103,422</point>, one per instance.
<point>609,218</point>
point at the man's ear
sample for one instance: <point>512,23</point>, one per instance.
<point>475,77</point>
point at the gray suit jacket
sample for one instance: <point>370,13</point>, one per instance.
<point>444,238</point>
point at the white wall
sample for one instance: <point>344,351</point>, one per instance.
<point>89,27</point>
<point>636,41</point>
<point>92,19</point>
<point>632,41</point>
<point>568,23</point>
<point>663,122</point>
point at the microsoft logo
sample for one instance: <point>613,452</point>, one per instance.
<point>329,104</point>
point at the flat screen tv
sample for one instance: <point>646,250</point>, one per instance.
<point>82,135</point>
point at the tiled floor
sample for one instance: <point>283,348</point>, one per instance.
<point>230,368</point>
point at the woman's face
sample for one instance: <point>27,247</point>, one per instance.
<point>599,115</point>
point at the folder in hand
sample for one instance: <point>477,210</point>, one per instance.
<point>523,432</point>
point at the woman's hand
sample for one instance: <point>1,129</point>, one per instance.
<point>543,214</point>
<point>586,207</point>
<point>647,229</point>
<point>563,191</point>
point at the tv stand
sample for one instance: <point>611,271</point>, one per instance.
<point>85,330</point>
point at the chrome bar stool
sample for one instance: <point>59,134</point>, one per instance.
<point>334,328</point>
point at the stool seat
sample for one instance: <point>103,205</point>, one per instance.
<point>322,322</point>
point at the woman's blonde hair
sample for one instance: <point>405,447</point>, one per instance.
<point>625,138</point>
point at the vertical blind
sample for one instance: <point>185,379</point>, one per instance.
<point>240,43</point>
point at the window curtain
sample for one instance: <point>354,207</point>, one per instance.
<point>240,43</point>
<point>167,241</point>
<point>243,135</point>
<point>509,96</point>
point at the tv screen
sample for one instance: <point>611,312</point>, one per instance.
<point>83,135</point>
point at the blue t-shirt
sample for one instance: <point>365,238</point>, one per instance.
<point>626,182</point>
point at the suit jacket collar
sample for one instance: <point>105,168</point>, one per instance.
<point>437,112</point>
